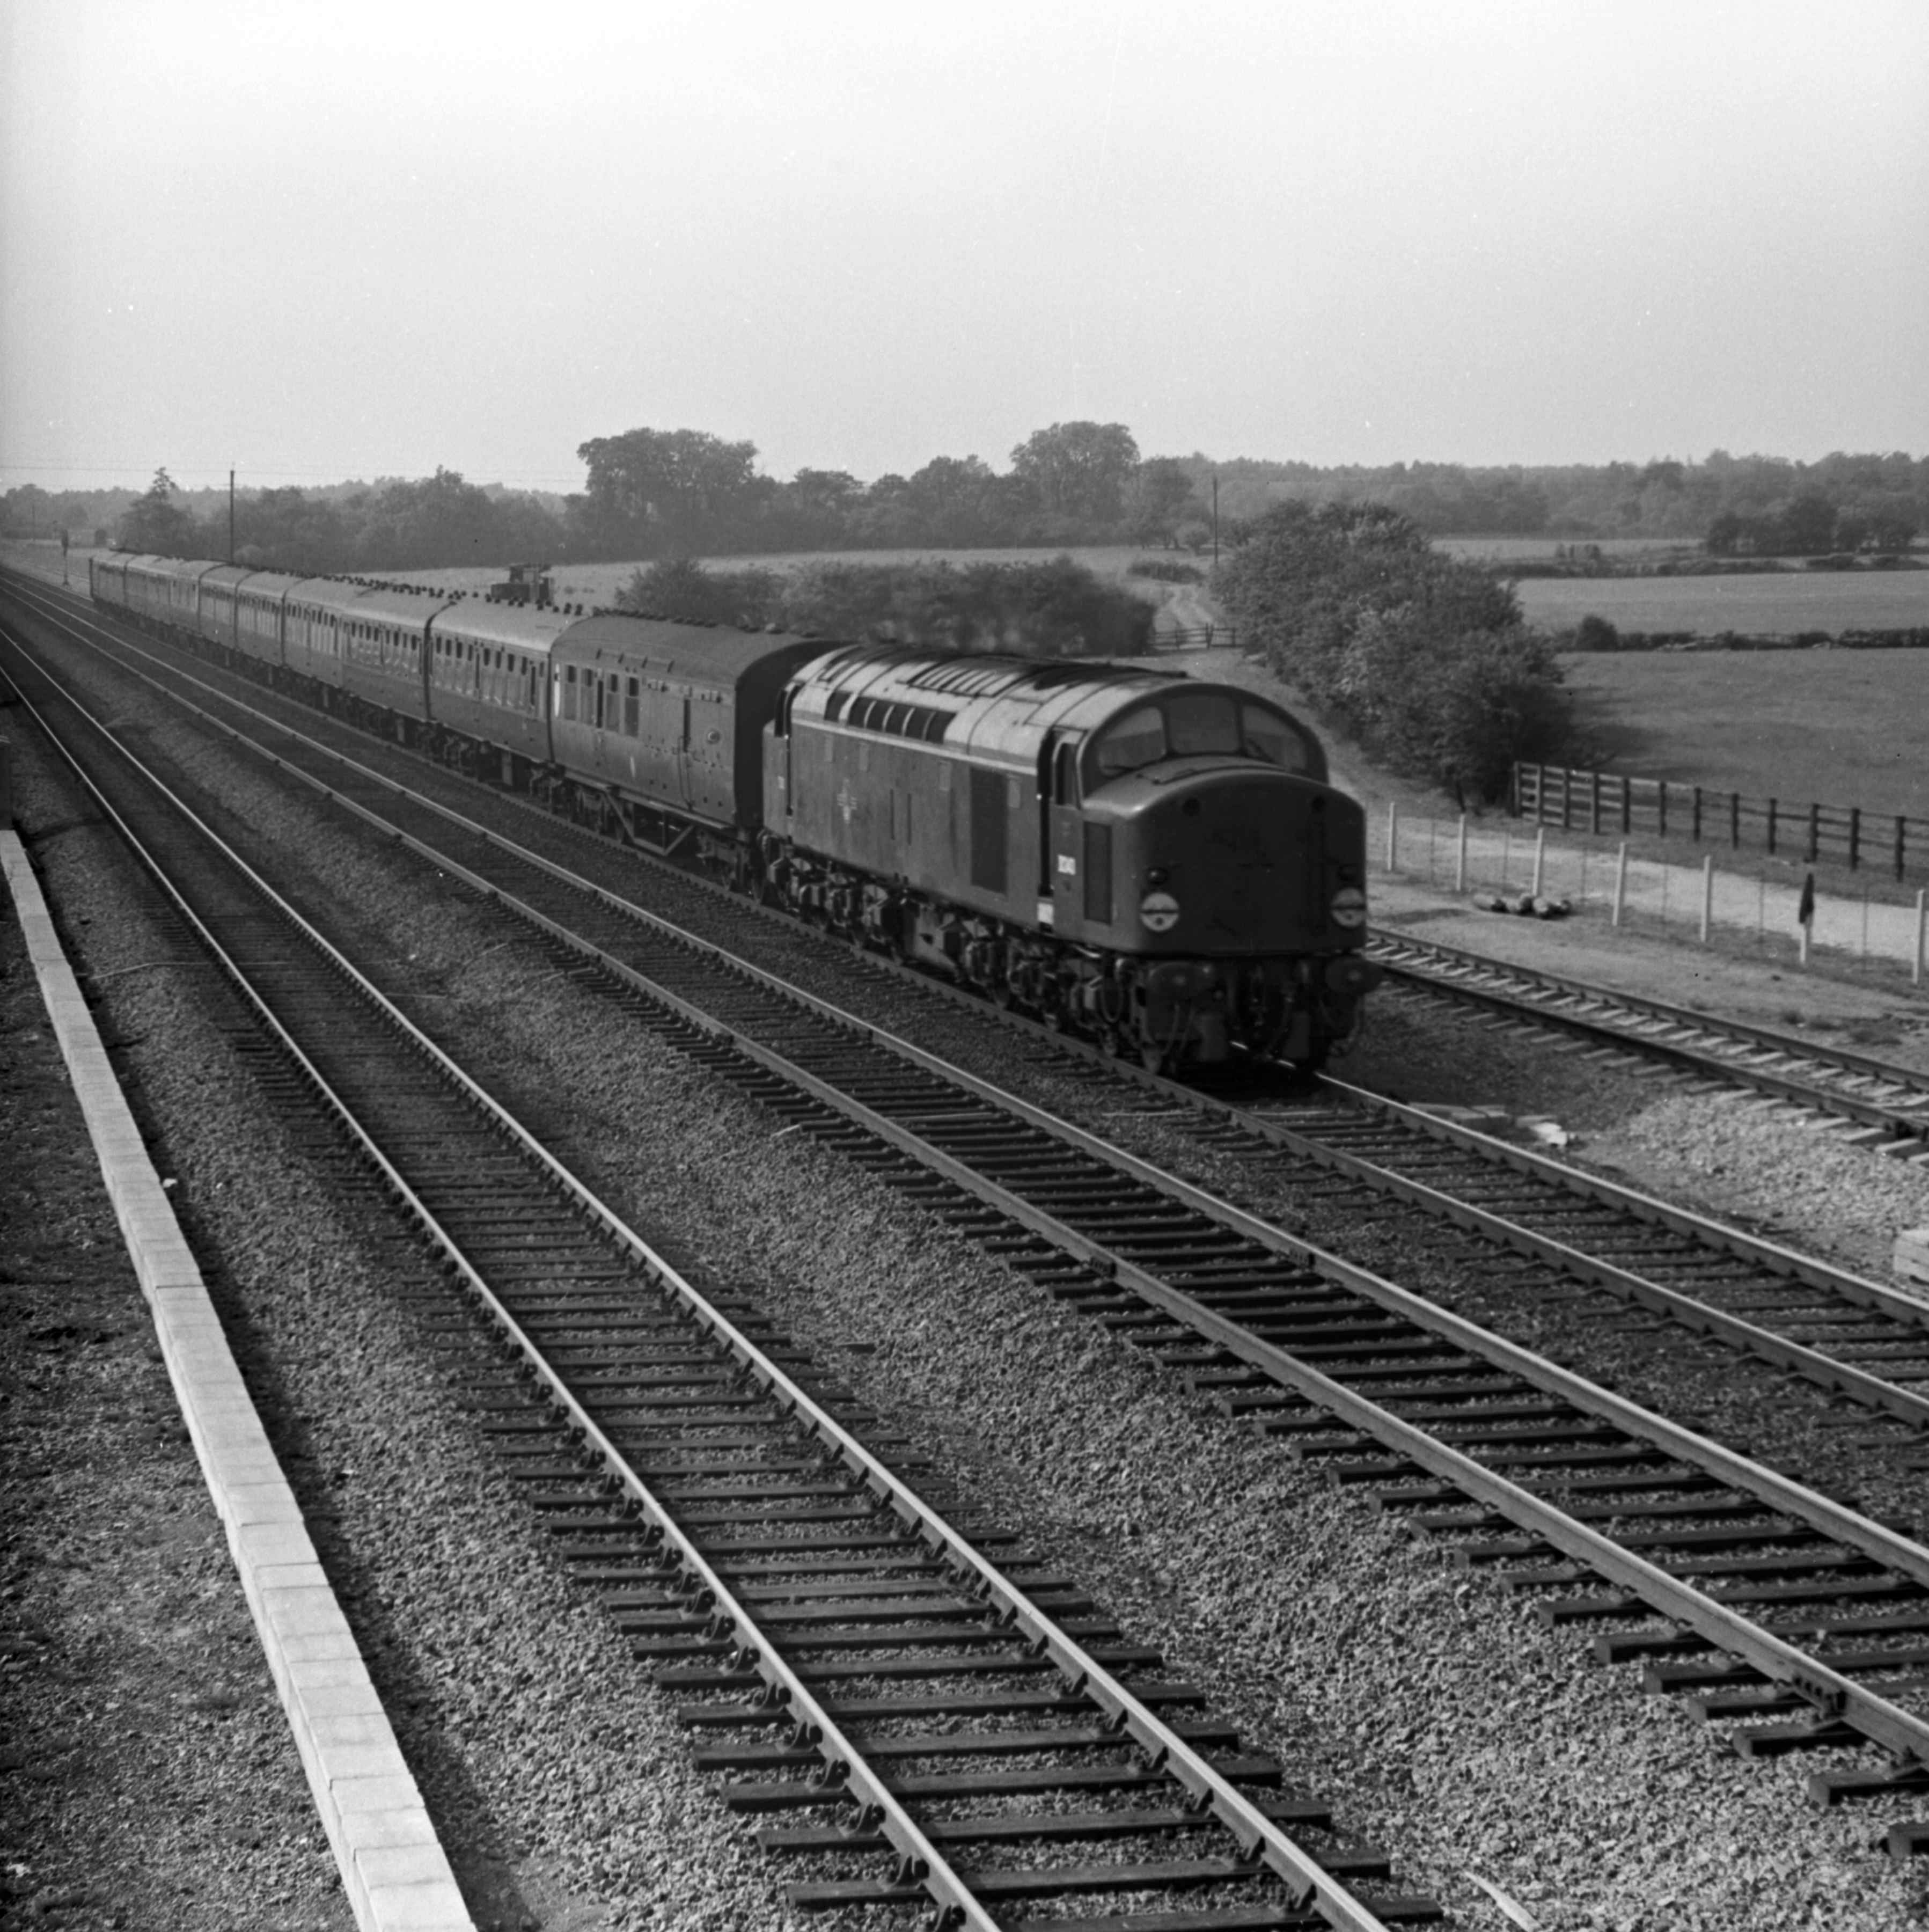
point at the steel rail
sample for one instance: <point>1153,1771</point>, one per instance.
<point>1902,1121</point>
<point>1257,1835</point>
<point>1833,1519</point>
<point>1831,1693</point>
<point>1772,1255</point>
<point>1902,1124</point>
<point>1814,1364</point>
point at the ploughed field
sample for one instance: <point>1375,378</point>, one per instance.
<point>1837,728</point>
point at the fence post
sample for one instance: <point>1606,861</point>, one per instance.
<point>1697,814</point>
<point>1593,803</point>
<point>1664,808</point>
<point>1393,836</point>
<point>1814,833</point>
<point>1901,826</point>
<point>1707,894</point>
<point>1627,806</point>
<point>1620,881</point>
<point>1540,858</point>
<point>1922,937</point>
<point>1771,828</point>
<point>1855,836</point>
<point>1735,820</point>
<point>1460,858</point>
<point>1567,797</point>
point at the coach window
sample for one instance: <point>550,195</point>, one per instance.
<point>632,706</point>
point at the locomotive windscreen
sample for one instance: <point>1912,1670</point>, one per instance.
<point>1193,723</point>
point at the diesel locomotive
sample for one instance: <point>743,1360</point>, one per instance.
<point>1152,860</point>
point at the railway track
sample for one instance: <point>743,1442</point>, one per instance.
<point>1554,1484</point>
<point>1838,1329</point>
<point>916,1707</point>
<point>1889,1104</point>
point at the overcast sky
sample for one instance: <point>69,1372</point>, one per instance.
<point>320,242</point>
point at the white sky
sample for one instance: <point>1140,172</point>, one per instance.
<point>325,241</point>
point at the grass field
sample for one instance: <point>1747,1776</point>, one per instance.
<point>1542,550</point>
<point>1833,728</point>
<point>1823,600</point>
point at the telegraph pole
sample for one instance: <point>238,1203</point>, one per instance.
<point>231,516</point>
<point>1215,519</point>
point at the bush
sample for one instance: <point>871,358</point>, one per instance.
<point>679,587</point>
<point>1595,633</point>
<point>1164,571</point>
<point>1425,659</point>
<point>1053,609</point>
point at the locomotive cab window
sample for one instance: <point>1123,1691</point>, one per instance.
<point>1137,739</point>
<point>1200,723</point>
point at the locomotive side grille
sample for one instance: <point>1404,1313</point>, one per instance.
<point>1098,874</point>
<point>989,828</point>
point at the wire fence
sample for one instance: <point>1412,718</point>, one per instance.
<point>1602,802</point>
<point>1733,904</point>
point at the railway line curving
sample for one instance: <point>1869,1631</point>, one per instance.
<point>1842,1331</point>
<point>1887,1102</point>
<point>1293,1339</point>
<point>765,1561</point>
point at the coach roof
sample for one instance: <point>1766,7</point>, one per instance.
<point>719,653</point>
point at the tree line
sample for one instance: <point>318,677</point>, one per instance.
<point>651,493</point>
<point>1765,504</point>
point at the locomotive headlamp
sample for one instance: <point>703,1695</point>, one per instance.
<point>1348,906</point>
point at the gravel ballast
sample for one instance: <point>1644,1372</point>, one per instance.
<point>1442,1722</point>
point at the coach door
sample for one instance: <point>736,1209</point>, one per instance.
<point>685,789</point>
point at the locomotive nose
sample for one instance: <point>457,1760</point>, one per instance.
<point>1250,860</point>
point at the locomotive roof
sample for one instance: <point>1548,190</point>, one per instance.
<point>718,651</point>
<point>1000,705</point>
<point>171,566</point>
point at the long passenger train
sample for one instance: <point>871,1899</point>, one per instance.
<point>1148,859</point>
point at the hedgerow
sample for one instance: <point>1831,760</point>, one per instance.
<point>1056,608</point>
